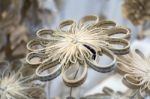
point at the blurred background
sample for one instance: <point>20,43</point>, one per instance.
<point>20,19</point>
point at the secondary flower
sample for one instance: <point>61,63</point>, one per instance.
<point>14,85</point>
<point>136,70</point>
<point>137,11</point>
<point>75,44</point>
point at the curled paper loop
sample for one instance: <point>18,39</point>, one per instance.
<point>45,74</point>
<point>105,24</point>
<point>131,81</point>
<point>34,58</point>
<point>103,68</point>
<point>45,34</point>
<point>65,26</point>
<point>119,46</point>
<point>88,21</point>
<point>36,45</point>
<point>76,44</point>
<point>118,32</point>
<point>75,82</point>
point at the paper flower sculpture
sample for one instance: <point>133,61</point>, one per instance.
<point>14,85</point>
<point>137,11</point>
<point>136,70</point>
<point>74,46</point>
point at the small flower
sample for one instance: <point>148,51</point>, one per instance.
<point>137,11</point>
<point>74,44</point>
<point>13,85</point>
<point>136,70</point>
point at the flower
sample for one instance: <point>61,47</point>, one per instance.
<point>14,85</point>
<point>136,70</point>
<point>137,11</point>
<point>75,44</point>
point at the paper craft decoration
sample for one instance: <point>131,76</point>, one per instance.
<point>73,47</point>
<point>136,70</point>
<point>15,85</point>
<point>137,11</point>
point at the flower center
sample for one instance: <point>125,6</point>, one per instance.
<point>74,40</point>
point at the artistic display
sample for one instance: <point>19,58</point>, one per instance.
<point>76,45</point>
<point>28,60</point>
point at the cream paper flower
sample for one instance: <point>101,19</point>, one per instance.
<point>14,85</point>
<point>136,70</point>
<point>74,44</point>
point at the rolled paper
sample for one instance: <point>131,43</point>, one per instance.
<point>135,68</point>
<point>76,81</point>
<point>76,43</point>
<point>15,85</point>
<point>103,68</point>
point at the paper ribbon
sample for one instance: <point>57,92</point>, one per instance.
<point>74,45</point>
<point>136,70</point>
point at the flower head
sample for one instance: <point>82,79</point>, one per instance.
<point>13,85</point>
<point>137,11</point>
<point>136,70</point>
<point>74,44</point>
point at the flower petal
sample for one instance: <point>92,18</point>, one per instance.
<point>118,46</point>
<point>106,24</point>
<point>103,68</point>
<point>45,75</point>
<point>130,81</point>
<point>66,26</point>
<point>88,21</point>
<point>118,32</point>
<point>73,79</point>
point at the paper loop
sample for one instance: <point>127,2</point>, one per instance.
<point>44,74</point>
<point>105,24</point>
<point>114,44</point>
<point>124,32</point>
<point>65,26</point>
<point>75,82</point>
<point>45,34</point>
<point>103,68</point>
<point>88,21</point>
